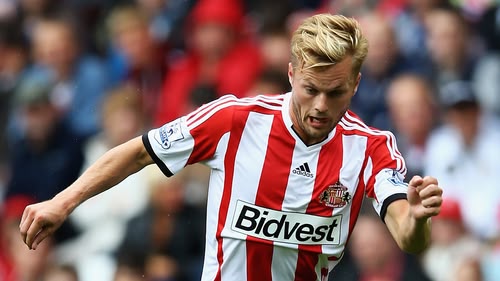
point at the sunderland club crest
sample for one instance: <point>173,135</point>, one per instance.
<point>335,196</point>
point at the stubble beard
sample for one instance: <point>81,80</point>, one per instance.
<point>311,134</point>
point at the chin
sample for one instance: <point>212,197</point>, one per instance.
<point>317,135</point>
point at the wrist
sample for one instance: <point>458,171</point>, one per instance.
<point>67,201</point>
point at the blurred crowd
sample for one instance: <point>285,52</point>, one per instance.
<point>78,77</point>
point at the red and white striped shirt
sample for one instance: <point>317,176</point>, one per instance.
<point>278,209</point>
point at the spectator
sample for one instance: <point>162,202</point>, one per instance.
<point>166,19</point>
<point>48,155</point>
<point>412,110</point>
<point>376,257</point>
<point>168,227</point>
<point>219,54</point>
<point>383,62</point>
<point>449,44</point>
<point>464,154</point>
<point>410,28</point>
<point>274,44</point>
<point>144,58</point>
<point>13,60</point>
<point>32,12</point>
<point>452,245</point>
<point>80,80</point>
<point>487,71</point>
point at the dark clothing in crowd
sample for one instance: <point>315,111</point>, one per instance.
<point>145,235</point>
<point>408,269</point>
<point>41,174</point>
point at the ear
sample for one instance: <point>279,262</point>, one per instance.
<point>290,73</point>
<point>358,79</point>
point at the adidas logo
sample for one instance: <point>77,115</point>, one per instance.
<point>303,170</point>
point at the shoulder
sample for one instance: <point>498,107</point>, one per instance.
<point>228,104</point>
<point>352,124</point>
<point>91,67</point>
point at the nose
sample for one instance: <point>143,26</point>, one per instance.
<point>320,103</point>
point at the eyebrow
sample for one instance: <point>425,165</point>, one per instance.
<point>339,88</point>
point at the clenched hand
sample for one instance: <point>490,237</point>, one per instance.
<point>424,197</point>
<point>41,220</point>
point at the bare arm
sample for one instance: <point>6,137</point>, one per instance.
<point>42,219</point>
<point>409,221</point>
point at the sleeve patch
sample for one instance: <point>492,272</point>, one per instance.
<point>396,178</point>
<point>169,133</point>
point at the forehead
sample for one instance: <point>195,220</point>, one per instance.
<point>329,77</point>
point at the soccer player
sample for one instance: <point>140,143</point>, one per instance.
<point>289,172</point>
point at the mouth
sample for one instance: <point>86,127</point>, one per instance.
<point>318,122</point>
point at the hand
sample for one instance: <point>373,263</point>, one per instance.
<point>424,197</point>
<point>39,221</point>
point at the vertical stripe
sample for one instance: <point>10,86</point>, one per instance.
<point>367,175</point>
<point>306,265</point>
<point>328,166</point>
<point>259,260</point>
<point>215,192</point>
<point>229,159</point>
<point>235,256</point>
<point>270,193</point>
<point>284,263</point>
<point>250,161</point>
<point>357,201</point>
<point>354,148</point>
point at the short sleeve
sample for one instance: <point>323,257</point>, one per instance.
<point>385,172</point>
<point>170,145</point>
<point>192,138</point>
<point>389,187</point>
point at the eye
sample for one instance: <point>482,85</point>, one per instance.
<point>310,90</point>
<point>336,93</point>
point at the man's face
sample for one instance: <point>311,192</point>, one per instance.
<point>320,97</point>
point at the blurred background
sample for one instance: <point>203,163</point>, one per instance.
<point>79,77</point>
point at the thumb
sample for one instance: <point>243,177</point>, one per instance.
<point>413,196</point>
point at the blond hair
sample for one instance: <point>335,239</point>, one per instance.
<point>125,18</point>
<point>324,40</point>
<point>122,97</point>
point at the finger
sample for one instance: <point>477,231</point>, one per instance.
<point>33,230</point>
<point>25,224</point>
<point>40,237</point>
<point>432,202</point>
<point>24,216</point>
<point>432,211</point>
<point>430,190</point>
<point>416,181</point>
<point>428,180</point>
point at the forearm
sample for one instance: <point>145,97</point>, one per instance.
<point>113,167</point>
<point>412,235</point>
